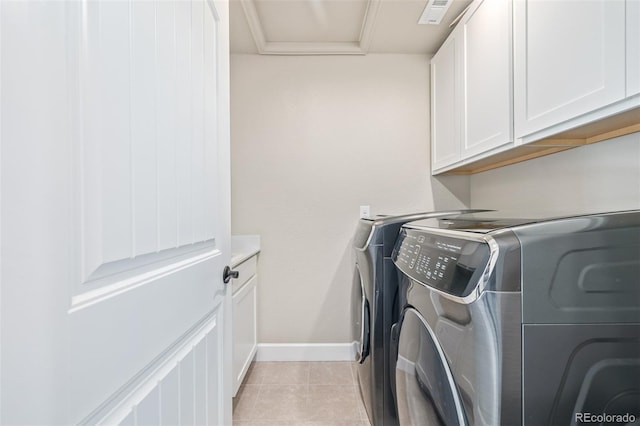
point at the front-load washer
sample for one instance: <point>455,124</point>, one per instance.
<point>375,308</point>
<point>507,321</point>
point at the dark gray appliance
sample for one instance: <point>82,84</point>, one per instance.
<point>506,322</point>
<point>375,308</point>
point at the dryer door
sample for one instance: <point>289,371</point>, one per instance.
<point>425,391</point>
<point>360,320</point>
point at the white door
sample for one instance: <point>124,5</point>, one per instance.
<point>114,212</point>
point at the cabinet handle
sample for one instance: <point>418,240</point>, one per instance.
<point>227,274</point>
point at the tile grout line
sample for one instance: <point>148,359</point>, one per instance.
<point>252,405</point>
<point>260,389</point>
<point>308,401</point>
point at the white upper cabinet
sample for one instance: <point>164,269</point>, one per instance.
<point>445,135</point>
<point>471,84</point>
<point>633,47</point>
<point>487,77</point>
<point>569,60</point>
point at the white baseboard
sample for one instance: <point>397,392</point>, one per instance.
<point>305,352</point>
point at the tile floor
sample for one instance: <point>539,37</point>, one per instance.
<point>299,394</point>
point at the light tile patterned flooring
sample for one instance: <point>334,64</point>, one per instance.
<point>299,394</point>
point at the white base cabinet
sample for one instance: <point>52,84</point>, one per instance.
<point>245,338</point>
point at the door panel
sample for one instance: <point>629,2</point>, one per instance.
<point>115,182</point>
<point>183,391</point>
<point>166,94</point>
<point>183,124</point>
<point>170,394</point>
<point>128,177</point>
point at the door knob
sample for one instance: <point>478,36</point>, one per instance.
<point>227,274</point>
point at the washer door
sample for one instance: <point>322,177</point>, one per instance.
<point>425,391</point>
<point>360,312</point>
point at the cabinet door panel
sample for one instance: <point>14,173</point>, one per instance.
<point>445,122</point>
<point>245,336</point>
<point>569,59</point>
<point>633,47</point>
<point>487,78</point>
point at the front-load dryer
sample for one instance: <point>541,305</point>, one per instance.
<point>509,321</point>
<point>375,308</point>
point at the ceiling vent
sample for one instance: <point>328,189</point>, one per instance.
<point>434,12</point>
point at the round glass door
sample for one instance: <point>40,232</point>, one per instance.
<point>425,391</point>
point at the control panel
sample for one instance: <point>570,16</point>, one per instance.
<point>446,263</point>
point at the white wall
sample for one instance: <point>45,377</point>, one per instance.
<point>313,138</point>
<point>601,177</point>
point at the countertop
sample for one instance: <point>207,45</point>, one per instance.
<point>243,247</point>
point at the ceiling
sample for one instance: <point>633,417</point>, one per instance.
<point>304,27</point>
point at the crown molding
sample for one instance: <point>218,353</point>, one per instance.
<point>369,23</point>
<point>266,47</point>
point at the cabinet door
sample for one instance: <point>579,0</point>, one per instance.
<point>569,59</point>
<point>633,47</point>
<point>244,330</point>
<point>445,120</point>
<point>487,82</point>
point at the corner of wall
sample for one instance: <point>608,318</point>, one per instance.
<point>451,191</point>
